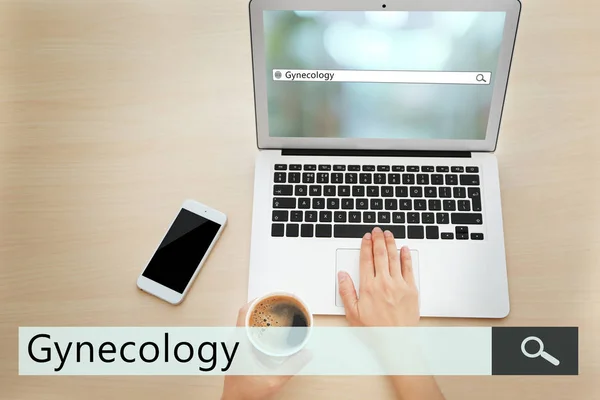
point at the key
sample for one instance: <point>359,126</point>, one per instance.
<point>347,204</point>
<point>476,236</point>
<point>430,191</point>
<point>354,216</point>
<point>387,191</point>
<point>447,235</point>
<point>353,167</point>
<point>408,179</point>
<point>435,205</point>
<point>308,177</point>
<point>394,179</point>
<point>294,177</point>
<point>301,190</point>
<point>427,168</point>
<point>310,216</point>
<point>306,230</point>
<point>401,191</point>
<point>283,190</point>
<point>339,216</point>
<point>437,179</point>
<point>277,230</point>
<point>284,202</point>
<point>304,202</point>
<point>329,190</point>
<point>398,168</point>
<point>368,216</point>
<point>379,179</point>
<point>333,204</point>
<point>318,203</point>
<point>376,204</point>
<point>449,205</point>
<point>366,178</point>
<point>457,169</point>
<point>406,204</point>
<point>432,232</point>
<point>464,205</point>
<point>325,216</point>
<point>451,179</point>
<point>314,190</point>
<point>323,231</point>
<point>442,218</point>
<point>358,191</point>
<point>442,169</point>
<point>398,217</point>
<point>383,217</point>
<point>475,196</point>
<point>280,216</point>
<point>383,168</point>
<point>462,236</point>
<point>412,168</point>
<point>445,192</point>
<point>391,204</point>
<point>358,231</point>
<point>428,218</point>
<point>324,167</point>
<point>423,179</point>
<point>344,190</point>
<point>339,167</point>
<point>351,177</point>
<point>416,191</point>
<point>362,204</point>
<point>310,167</point>
<point>412,218</point>
<point>372,191</point>
<point>296,216</point>
<point>462,229</point>
<point>466,218</point>
<point>279,177</point>
<point>291,230</point>
<point>415,232</point>
<point>459,192</point>
<point>295,167</point>
<point>420,204</point>
<point>337,177</point>
<point>370,168</point>
<point>469,180</point>
<point>472,169</point>
<point>322,177</point>
<point>280,167</point>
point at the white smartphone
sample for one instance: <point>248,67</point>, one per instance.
<point>182,252</point>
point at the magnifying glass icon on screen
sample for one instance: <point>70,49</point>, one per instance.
<point>480,78</point>
<point>540,353</point>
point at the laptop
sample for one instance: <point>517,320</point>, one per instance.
<point>381,114</point>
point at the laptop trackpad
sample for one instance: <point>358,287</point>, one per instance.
<point>347,260</point>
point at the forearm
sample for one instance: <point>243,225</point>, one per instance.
<point>416,388</point>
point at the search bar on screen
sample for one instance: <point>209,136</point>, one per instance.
<point>344,75</point>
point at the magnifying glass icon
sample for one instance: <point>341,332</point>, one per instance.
<point>540,353</point>
<point>480,78</point>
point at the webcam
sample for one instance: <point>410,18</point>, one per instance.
<point>383,6</point>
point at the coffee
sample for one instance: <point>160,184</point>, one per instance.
<point>279,311</point>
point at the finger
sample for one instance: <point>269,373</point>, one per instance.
<point>393,258</point>
<point>241,319</point>
<point>348,295</point>
<point>367,267</point>
<point>407,267</point>
<point>380,256</point>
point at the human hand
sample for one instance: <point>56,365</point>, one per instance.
<point>388,292</point>
<point>254,387</point>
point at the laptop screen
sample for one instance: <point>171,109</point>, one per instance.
<point>381,74</point>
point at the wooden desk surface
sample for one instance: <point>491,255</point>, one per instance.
<point>113,112</point>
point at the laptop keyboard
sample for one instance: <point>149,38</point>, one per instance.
<point>347,201</point>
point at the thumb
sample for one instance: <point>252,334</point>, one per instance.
<point>348,295</point>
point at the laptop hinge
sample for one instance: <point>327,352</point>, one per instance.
<point>374,153</point>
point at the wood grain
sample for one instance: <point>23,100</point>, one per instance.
<point>113,112</point>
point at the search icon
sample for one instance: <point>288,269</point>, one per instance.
<point>480,78</point>
<point>552,360</point>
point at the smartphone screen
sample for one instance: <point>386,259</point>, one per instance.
<point>179,254</point>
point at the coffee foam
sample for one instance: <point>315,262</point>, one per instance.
<point>282,311</point>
